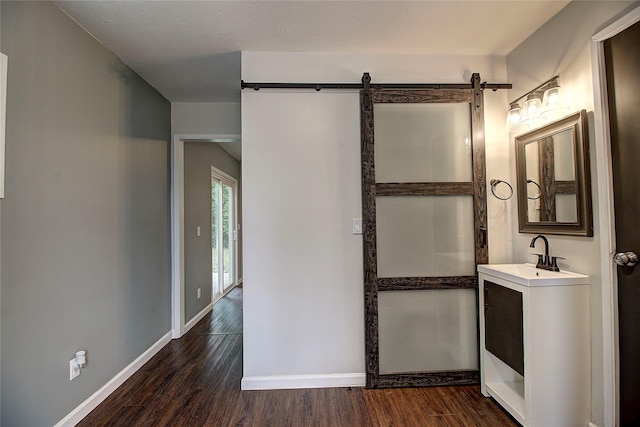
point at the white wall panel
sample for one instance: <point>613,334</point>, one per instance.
<point>303,283</point>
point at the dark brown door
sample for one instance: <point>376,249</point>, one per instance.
<point>622,58</point>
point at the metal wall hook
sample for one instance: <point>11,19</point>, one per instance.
<point>494,183</point>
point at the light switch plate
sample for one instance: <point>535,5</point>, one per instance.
<point>357,225</point>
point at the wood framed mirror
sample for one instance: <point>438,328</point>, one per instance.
<point>553,178</point>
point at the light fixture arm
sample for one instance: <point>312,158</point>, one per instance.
<point>536,89</point>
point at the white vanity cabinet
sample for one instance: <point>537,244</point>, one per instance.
<point>541,373</point>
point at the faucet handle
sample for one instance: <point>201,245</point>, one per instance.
<point>540,262</point>
<point>554,263</point>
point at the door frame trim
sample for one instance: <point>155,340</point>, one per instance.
<point>177,222</point>
<point>606,217</point>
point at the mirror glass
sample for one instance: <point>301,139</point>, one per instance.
<point>554,191</point>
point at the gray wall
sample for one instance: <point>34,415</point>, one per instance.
<point>561,46</point>
<point>85,223</point>
<point>205,117</point>
<point>198,159</point>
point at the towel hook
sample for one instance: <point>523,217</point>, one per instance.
<point>494,183</point>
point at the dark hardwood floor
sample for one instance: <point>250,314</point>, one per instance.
<point>195,381</point>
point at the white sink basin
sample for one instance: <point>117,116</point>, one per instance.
<point>529,275</point>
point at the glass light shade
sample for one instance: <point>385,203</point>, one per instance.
<point>552,96</point>
<point>553,103</point>
<point>532,106</point>
<point>514,116</point>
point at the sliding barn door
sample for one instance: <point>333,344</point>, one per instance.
<point>424,209</point>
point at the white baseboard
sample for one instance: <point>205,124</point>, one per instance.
<point>592,424</point>
<point>303,381</point>
<point>75,416</point>
<point>198,317</point>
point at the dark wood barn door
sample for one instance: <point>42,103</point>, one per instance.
<point>424,217</point>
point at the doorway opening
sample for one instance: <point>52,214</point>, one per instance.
<point>178,322</point>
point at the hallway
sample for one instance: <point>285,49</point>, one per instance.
<point>195,381</point>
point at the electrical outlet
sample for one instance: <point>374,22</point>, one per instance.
<point>199,292</point>
<point>74,369</point>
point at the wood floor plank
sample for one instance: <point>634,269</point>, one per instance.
<point>126,415</point>
<point>395,407</point>
<point>471,404</point>
<point>195,381</point>
<point>450,420</point>
<point>226,318</point>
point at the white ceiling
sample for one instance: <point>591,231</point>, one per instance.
<point>190,50</point>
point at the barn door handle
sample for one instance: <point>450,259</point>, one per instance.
<point>483,236</point>
<point>628,259</point>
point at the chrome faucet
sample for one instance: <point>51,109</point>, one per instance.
<point>548,262</point>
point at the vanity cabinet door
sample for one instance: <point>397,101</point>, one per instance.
<point>503,325</point>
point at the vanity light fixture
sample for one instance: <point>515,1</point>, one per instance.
<point>541,102</point>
